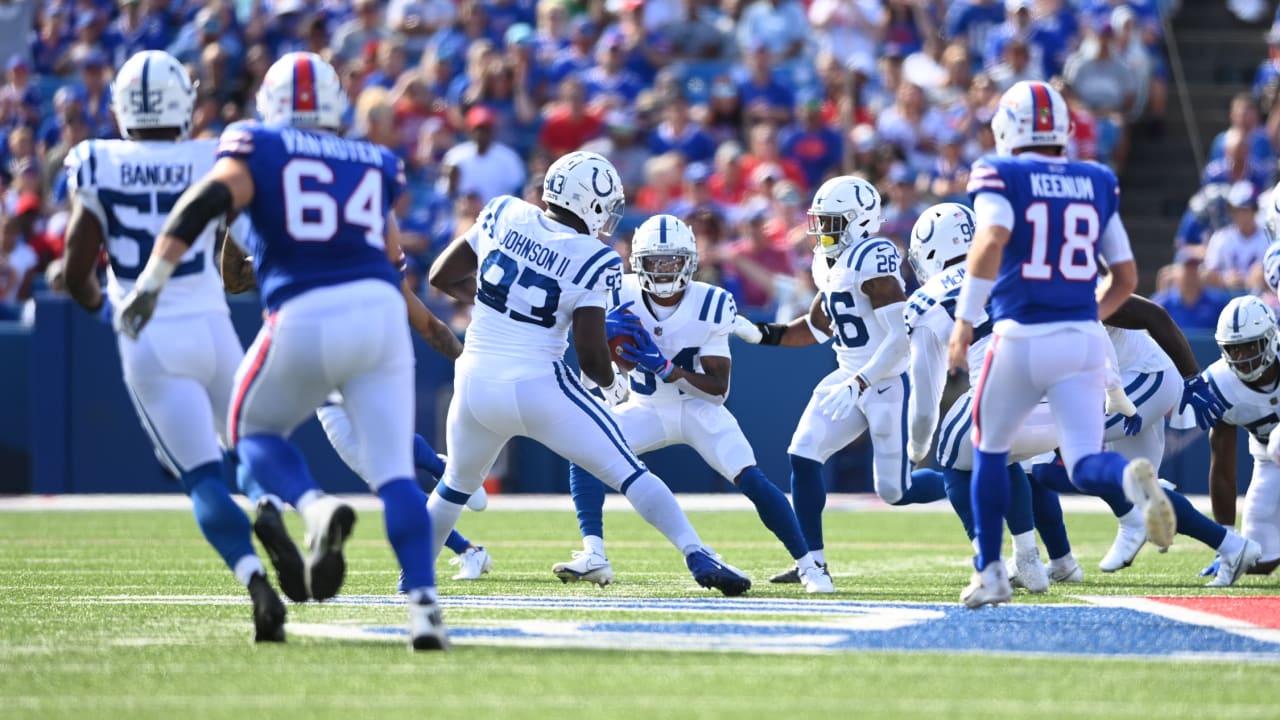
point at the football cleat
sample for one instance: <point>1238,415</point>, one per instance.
<point>329,522</point>
<point>1068,571</point>
<point>284,555</point>
<point>268,610</point>
<point>1143,490</point>
<point>472,563</point>
<point>426,627</point>
<point>817,580</point>
<point>586,566</point>
<point>989,586</point>
<point>709,572</point>
<point>791,575</point>
<point>1129,540</point>
<point>1237,564</point>
<point>1027,571</point>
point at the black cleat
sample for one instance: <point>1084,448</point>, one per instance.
<point>281,550</point>
<point>332,521</point>
<point>268,610</point>
<point>792,576</point>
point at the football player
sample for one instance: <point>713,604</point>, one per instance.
<point>533,275</point>
<point>324,248</point>
<point>860,304</point>
<point>678,337</point>
<point>179,375</point>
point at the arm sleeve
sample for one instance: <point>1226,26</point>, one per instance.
<point>992,209</point>
<point>894,346</point>
<point>928,379</point>
<point>1114,244</point>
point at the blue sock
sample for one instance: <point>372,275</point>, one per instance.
<point>404,508</point>
<point>588,500</point>
<point>457,543</point>
<point>957,484</point>
<point>809,496</point>
<point>223,523</point>
<point>926,487</point>
<point>1019,518</point>
<point>426,457</point>
<point>278,466</point>
<point>990,496</point>
<point>1102,475</point>
<point>775,513</point>
<point>1048,514</point>
<point>1054,477</point>
<point>248,484</point>
<point>1194,524</point>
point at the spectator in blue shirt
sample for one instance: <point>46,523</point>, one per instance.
<point>759,90</point>
<point>1056,30</point>
<point>680,133</point>
<point>21,93</point>
<point>1244,117</point>
<point>971,21</point>
<point>1235,164</point>
<point>576,57</point>
<point>1269,70</point>
<point>1191,305</point>
<point>135,31</point>
<point>610,79</point>
<point>505,13</point>
<point>96,93</point>
<point>815,146</point>
<point>778,25</point>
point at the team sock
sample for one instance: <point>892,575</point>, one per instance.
<point>957,484</point>
<point>444,505</point>
<point>223,523</point>
<point>809,496</point>
<point>404,510</point>
<point>653,500</point>
<point>456,542</point>
<point>1048,517</point>
<point>588,500</point>
<point>425,457</point>
<point>248,484</point>
<point>279,467</point>
<point>819,556</point>
<point>1019,516</point>
<point>926,486</point>
<point>593,544</point>
<point>990,496</point>
<point>1194,524</point>
<point>1054,476</point>
<point>1231,543</point>
<point>1102,475</point>
<point>774,510</point>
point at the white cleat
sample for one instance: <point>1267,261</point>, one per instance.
<point>1129,540</point>
<point>817,580</point>
<point>1026,570</point>
<point>586,566</point>
<point>426,627</point>
<point>1143,490</point>
<point>329,522</point>
<point>472,563</point>
<point>1231,568</point>
<point>988,587</point>
<point>1068,571</point>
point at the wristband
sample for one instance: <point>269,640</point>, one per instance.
<point>818,335</point>
<point>667,371</point>
<point>155,274</point>
<point>771,333</point>
<point>971,306</point>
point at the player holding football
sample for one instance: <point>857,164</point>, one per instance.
<point>533,275</point>
<point>860,303</point>
<point>1042,223</point>
<point>677,334</point>
<point>324,249</point>
<point>180,374</point>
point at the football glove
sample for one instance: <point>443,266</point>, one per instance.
<point>1213,567</point>
<point>1133,424</point>
<point>747,330</point>
<point>136,311</point>
<point>647,356</point>
<point>1205,405</point>
<point>841,400</point>
<point>619,321</point>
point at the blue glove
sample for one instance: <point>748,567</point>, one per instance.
<point>620,322</point>
<point>1213,567</point>
<point>646,355</point>
<point>1133,425</point>
<point>106,313</point>
<point>1206,405</point>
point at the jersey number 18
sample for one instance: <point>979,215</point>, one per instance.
<point>1080,230</point>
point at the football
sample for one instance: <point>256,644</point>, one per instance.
<point>615,352</point>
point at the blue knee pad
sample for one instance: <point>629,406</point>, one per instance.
<point>809,496</point>
<point>223,523</point>
<point>773,509</point>
<point>588,500</point>
<point>404,508</point>
<point>277,465</point>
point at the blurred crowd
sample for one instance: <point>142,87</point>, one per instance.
<point>728,113</point>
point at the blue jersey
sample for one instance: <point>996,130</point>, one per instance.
<point>1060,209</point>
<point>319,210</point>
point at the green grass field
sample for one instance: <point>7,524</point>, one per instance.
<point>91,627</point>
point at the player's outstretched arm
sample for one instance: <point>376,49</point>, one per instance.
<point>591,343</point>
<point>1139,313</point>
<point>454,272</point>
<point>84,245</point>
<point>980,277</point>
<point>813,328</point>
<point>1222,473</point>
<point>423,321</point>
<point>1121,283</point>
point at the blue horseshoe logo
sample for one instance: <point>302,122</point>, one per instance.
<point>595,174</point>
<point>857,194</point>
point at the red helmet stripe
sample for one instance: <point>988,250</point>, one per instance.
<point>1042,107</point>
<point>304,84</point>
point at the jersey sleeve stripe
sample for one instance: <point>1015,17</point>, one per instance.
<point>720,305</point>
<point>976,184</point>
<point>615,297</point>
<point>93,165</point>
<point>866,250</point>
<point>491,218</point>
<point>582,273</point>
<point>706,307</point>
<point>1213,385</point>
<point>591,285</point>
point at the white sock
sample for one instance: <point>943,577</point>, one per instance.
<point>246,567</point>
<point>444,515</point>
<point>594,544</point>
<point>819,556</point>
<point>1024,542</point>
<point>653,500</point>
<point>307,498</point>
<point>1132,519</point>
<point>422,596</point>
<point>806,562</point>
<point>1231,544</point>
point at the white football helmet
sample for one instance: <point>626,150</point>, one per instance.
<point>844,210</point>
<point>1031,114</point>
<point>1247,336</point>
<point>302,90</point>
<point>1271,267</point>
<point>587,185</point>
<point>943,233</point>
<point>152,90</point>
<point>664,255</point>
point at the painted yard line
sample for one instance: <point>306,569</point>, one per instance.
<point>1186,615</point>
<point>513,503</point>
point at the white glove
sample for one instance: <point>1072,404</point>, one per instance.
<point>747,330</point>
<point>1118,402</point>
<point>841,400</point>
<point>1273,446</point>
<point>619,391</point>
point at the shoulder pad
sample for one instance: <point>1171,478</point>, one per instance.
<point>717,306</point>
<point>877,255</point>
<point>604,264</point>
<point>239,139</point>
<point>1220,379</point>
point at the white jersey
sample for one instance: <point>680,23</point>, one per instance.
<point>1251,410</point>
<point>854,326</point>
<point>698,327</point>
<point>933,306</point>
<point>131,186</point>
<point>1138,352</point>
<point>533,274</point>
